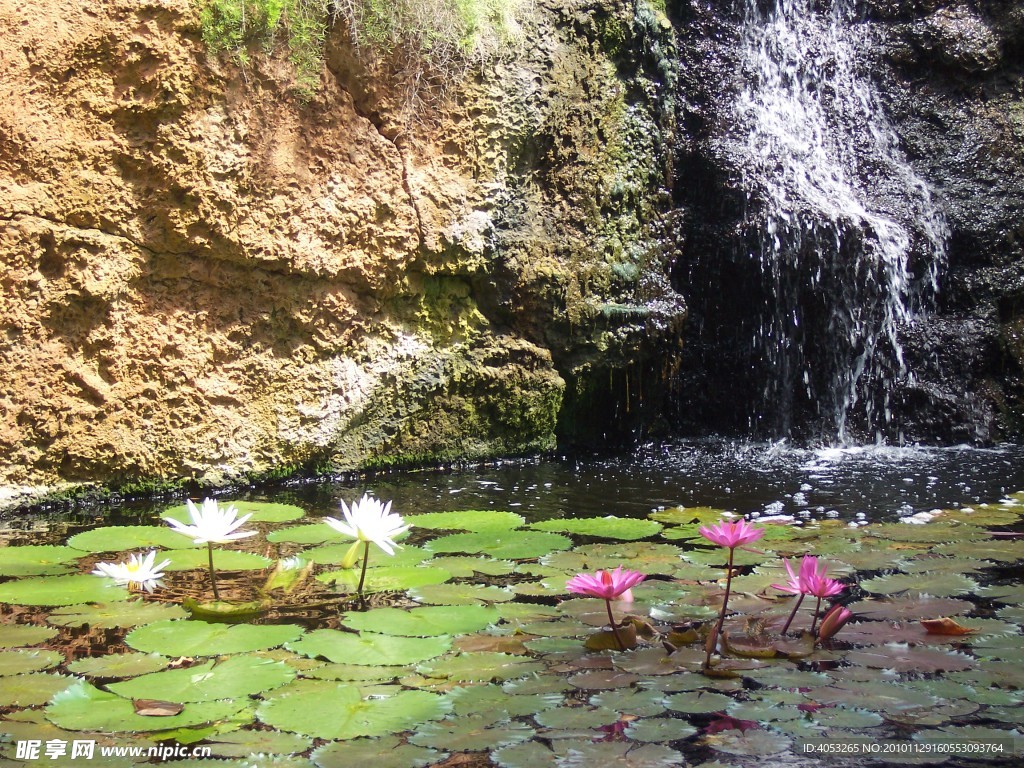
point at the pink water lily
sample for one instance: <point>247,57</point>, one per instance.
<point>835,618</point>
<point>797,584</point>
<point>607,585</point>
<point>729,535</point>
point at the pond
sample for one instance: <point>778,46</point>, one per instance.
<point>467,647</point>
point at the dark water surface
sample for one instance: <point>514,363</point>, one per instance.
<point>877,482</point>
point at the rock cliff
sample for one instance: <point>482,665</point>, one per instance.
<point>208,278</point>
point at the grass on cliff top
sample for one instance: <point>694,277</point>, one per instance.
<point>428,43</point>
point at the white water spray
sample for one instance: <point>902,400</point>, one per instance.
<point>851,242</point>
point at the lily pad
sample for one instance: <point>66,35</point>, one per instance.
<point>119,665</point>
<point>233,678</point>
<point>460,594</point>
<point>631,702</point>
<point>494,698</point>
<point>610,527</point>
<point>82,707</point>
<point>223,560</point>
<point>467,520</point>
<point>36,560</point>
<point>384,752</point>
<point>386,579</point>
<point>197,638</point>
<point>124,614</point>
<point>33,689</point>
<point>61,590</point>
<point>315,533</point>
<point>753,741</point>
<point>333,554</point>
<point>914,608</point>
<point>501,544</point>
<point>19,661</point>
<point>261,511</point>
<point>479,667</point>
<point>342,713</point>
<point>660,729</point>
<point>368,648</point>
<point>936,585</point>
<point>699,702</point>
<point>16,635</point>
<point>576,718</point>
<point>471,733</point>
<point>465,567</point>
<point>361,673</point>
<point>247,743</point>
<point>423,622</point>
<point>582,754</point>
<point>118,538</point>
<point>660,559</point>
<point>909,658</point>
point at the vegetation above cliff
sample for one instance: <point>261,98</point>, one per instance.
<point>427,42</point>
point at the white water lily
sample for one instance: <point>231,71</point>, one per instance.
<point>139,572</point>
<point>212,524</point>
<point>370,520</point>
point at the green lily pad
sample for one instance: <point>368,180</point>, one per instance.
<point>61,590</point>
<point>843,717</point>
<point>119,665</point>
<point>909,658</point>
<point>529,754</point>
<point>494,698</point>
<point>247,743</point>
<point>637,703</point>
<point>118,538</point>
<point>342,713</point>
<point>466,567</point>
<point>691,515</point>
<point>17,635</point>
<point>315,533</point>
<point>479,667</point>
<point>467,520</point>
<point>460,594</point>
<point>610,527</point>
<point>36,560</point>
<point>368,648</point>
<point>1004,593</point>
<point>501,544</point>
<point>753,741</point>
<point>223,560</point>
<point>197,638</point>
<point>576,718</point>
<point>82,707</point>
<point>384,752</point>
<point>360,673</point>
<point>936,585</point>
<point>261,511</point>
<point>20,660</point>
<point>719,556</point>
<point>660,729</point>
<point>32,689</point>
<point>423,622</point>
<point>385,579</point>
<point>1002,551</point>
<point>333,554</point>
<point>912,608</point>
<point>974,735</point>
<point>699,702</point>
<point>984,516</point>
<point>471,733</point>
<point>660,559</point>
<point>932,533</point>
<point>233,678</point>
<point>585,754</point>
<point>125,614</point>
<point>875,696</point>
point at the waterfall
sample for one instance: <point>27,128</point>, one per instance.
<point>848,238</point>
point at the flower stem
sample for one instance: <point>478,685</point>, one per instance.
<point>725,605</point>
<point>213,575</point>
<point>615,631</point>
<point>362,574</point>
<point>814,624</point>
<point>796,608</point>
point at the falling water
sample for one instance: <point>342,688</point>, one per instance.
<point>849,239</point>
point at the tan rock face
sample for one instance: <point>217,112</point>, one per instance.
<point>203,277</point>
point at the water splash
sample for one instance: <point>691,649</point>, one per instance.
<point>849,239</point>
